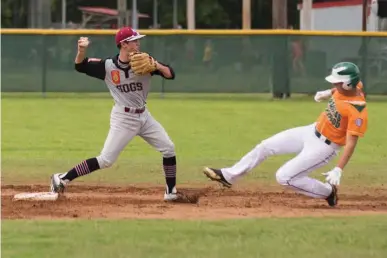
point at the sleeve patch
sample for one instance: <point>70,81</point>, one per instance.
<point>359,122</point>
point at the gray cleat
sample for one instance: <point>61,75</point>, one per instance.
<point>57,184</point>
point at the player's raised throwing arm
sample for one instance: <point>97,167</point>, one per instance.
<point>83,43</point>
<point>93,67</point>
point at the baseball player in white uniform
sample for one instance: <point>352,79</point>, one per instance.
<point>129,115</point>
<point>338,127</point>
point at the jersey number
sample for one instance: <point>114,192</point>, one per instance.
<point>134,86</point>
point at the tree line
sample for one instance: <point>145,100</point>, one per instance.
<point>210,14</point>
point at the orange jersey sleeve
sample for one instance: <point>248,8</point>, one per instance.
<point>357,118</point>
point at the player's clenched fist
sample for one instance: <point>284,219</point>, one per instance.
<point>83,43</point>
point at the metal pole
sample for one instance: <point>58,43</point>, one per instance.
<point>134,15</point>
<point>191,14</point>
<point>40,13</point>
<point>64,4</point>
<point>279,14</point>
<point>175,14</point>
<point>284,13</point>
<point>364,47</point>
<point>280,85</point>
<point>44,65</point>
<point>246,14</point>
<point>364,15</point>
<point>307,15</point>
<point>155,13</point>
<point>122,10</point>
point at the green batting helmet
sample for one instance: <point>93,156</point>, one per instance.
<point>346,72</point>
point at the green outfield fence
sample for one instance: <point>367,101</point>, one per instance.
<point>258,61</point>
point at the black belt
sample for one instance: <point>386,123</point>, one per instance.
<point>318,134</point>
<point>136,110</point>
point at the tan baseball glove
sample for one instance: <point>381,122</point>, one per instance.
<point>142,63</point>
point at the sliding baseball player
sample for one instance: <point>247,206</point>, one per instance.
<point>339,126</point>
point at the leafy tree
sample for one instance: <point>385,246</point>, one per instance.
<point>210,14</point>
<point>13,13</point>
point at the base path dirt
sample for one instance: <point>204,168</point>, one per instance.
<point>118,202</point>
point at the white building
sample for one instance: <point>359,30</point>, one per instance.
<point>345,15</point>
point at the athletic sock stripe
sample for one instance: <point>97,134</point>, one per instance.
<point>170,171</point>
<point>82,168</point>
<point>85,167</point>
<point>78,168</point>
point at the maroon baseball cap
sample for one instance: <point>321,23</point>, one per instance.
<point>127,34</point>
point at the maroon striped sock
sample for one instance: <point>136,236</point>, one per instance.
<point>169,165</point>
<point>83,168</point>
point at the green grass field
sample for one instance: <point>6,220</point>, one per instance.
<point>354,237</point>
<point>45,135</point>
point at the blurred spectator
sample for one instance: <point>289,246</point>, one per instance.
<point>297,48</point>
<point>248,54</point>
<point>208,53</point>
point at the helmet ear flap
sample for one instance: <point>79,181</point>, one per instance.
<point>351,84</point>
<point>347,86</point>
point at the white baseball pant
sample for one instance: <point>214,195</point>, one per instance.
<point>312,152</point>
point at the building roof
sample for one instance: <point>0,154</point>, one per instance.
<point>335,3</point>
<point>107,11</point>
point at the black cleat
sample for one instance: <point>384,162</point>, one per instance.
<point>216,175</point>
<point>333,199</point>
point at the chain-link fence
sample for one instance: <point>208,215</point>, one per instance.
<point>203,63</point>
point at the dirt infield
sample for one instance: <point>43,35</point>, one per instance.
<point>117,202</point>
